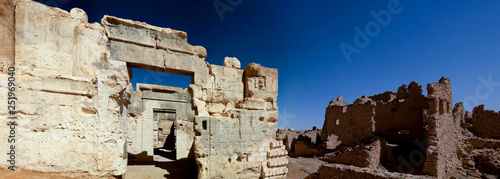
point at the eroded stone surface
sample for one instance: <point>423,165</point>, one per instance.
<point>406,132</point>
<point>232,62</point>
<point>76,100</point>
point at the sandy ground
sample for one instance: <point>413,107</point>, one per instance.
<point>25,174</point>
<point>164,168</point>
<point>299,168</point>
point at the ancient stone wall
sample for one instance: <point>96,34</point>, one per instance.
<point>349,124</point>
<point>304,143</point>
<point>399,117</point>
<point>442,135</point>
<point>7,36</point>
<point>238,107</point>
<point>237,113</point>
<point>7,46</point>
<point>484,121</point>
<point>71,98</point>
<point>405,120</point>
<point>395,116</point>
<point>75,98</point>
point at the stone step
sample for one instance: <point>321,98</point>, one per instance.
<point>275,172</point>
<point>277,162</point>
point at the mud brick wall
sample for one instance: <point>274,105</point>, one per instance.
<point>484,122</point>
<point>442,135</point>
<point>401,113</point>
<point>349,124</point>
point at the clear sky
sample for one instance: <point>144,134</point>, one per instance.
<point>323,49</point>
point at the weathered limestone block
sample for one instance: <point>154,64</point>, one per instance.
<point>7,42</point>
<point>227,79</point>
<point>152,47</point>
<point>72,98</point>
<point>226,146</point>
<point>44,40</point>
<point>135,106</point>
<point>219,96</point>
<point>132,53</point>
<point>112,97</point>
<point>184,134</point>
<point>134,130</point>
<point>201,107</point>
<point>253,104</point>
<point>148,35</point>
<point>216,108</point>
<point>203,80</point>
<point>183,63</point>
<point>261,82</point>
<point>232,62</point>
<point>78,13</point>
<point>60,84</point>
<point>274,165</point>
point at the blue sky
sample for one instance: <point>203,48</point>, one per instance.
<point>423,41</point>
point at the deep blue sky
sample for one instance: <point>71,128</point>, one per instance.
<point>424,41</point>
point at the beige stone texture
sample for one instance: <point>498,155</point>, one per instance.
<point>7,28</point>
<point>75,98</point>
<point>261,82</point>
<point>232,62</point>
<point>71,97</point>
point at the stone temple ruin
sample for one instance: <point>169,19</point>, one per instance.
<point>77,111</point>
<point>402,134</point>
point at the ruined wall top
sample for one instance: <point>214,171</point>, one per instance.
<point>440,90</point>
<point>141,33</point>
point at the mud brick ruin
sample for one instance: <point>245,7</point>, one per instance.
<point>402,134</point>
<point>77,111</point>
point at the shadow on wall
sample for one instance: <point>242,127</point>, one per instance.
<point>183,168</point>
